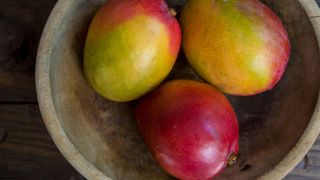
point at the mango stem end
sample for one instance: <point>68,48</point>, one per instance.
<point>232,159</point>
<point>173,12</point>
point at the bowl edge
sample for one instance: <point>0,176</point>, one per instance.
<point>76,159</point>
<point>312,131</point>
<point>44,94</point>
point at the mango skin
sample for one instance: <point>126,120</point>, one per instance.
<point>130,48</point>
<point>240,46</point>
<point>190,128</point>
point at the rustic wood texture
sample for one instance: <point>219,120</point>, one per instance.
<point>309,168</point>
<point>21,24</point>
<point>26,149</point>
<point>101,138</point>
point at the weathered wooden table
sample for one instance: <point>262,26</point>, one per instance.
<point>26,149</point>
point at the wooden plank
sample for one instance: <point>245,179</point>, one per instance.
<point>26,149</point>
<point>21,24</point>
<point>308,168</point>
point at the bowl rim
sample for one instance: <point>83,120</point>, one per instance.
<point>77,160</point>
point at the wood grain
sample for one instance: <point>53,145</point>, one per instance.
<point>26,149</point>
<point>308,169</point>
<point>21,24</point>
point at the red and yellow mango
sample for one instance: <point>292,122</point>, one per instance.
<point>190,128</point>
<point>240,46</point>
<point>130,48</point>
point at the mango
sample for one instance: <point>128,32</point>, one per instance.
<point>131,47</point>
<point>190,127</point>
<point>240,46</point>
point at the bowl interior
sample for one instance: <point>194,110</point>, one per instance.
<point>106,134</point>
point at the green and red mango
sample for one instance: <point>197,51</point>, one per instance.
<point>130,48</point>
<point>240,46</point>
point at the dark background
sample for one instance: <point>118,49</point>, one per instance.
<point>26,149</point>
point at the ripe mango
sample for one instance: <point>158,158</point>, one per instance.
<point>190,128</point>
<point>240,46</point>
<point>130,48</point>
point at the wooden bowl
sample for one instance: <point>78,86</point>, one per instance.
<point>101,140</point>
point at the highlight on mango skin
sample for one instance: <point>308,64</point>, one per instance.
<point>239,46</point>
<point>129,54</point>
<point>196,135</point>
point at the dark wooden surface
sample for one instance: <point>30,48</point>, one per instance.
<point>26,149</point>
